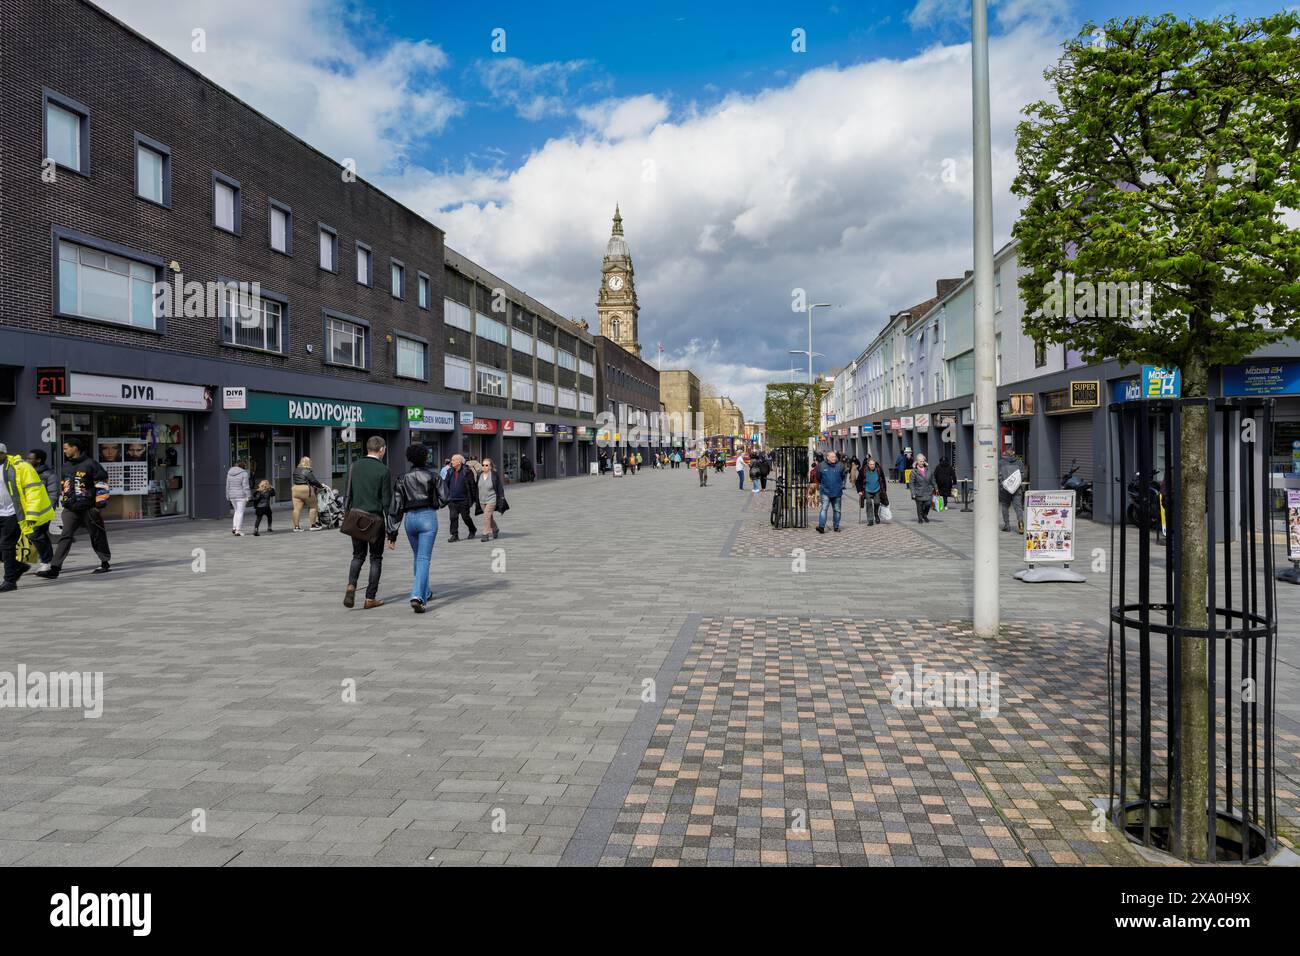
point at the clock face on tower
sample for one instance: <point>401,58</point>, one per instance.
<point>615,282</point>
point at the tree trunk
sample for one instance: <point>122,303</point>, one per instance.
<point>1190,840</point>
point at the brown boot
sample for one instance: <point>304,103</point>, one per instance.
<point>350,596</point>
<point>376,602</point>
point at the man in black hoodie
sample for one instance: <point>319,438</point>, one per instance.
<point>81,474</point>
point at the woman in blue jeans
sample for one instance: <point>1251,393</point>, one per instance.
<point>417,496</point>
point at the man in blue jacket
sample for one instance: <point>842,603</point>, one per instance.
<point>830,483</point>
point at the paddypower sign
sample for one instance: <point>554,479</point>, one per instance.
<point>266,408</point>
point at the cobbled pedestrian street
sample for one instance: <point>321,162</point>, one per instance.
<point>639,671</point>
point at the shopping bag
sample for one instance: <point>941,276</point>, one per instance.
<point>885,514</point>
<point>26,551</point>
<point>938,502</point>
<point>1011,484</point>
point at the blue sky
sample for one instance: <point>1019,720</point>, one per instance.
<point>745,170</point>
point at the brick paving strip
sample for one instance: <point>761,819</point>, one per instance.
<point>779,743</point>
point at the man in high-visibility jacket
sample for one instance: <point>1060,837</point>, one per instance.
<point>25,509</point>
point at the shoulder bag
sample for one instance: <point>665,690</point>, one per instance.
<point>361,525</point>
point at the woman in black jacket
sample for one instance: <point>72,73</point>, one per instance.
<point>871,489</point>
<point>305,484</point>
<point>944,478</point>
<point>417,496</point>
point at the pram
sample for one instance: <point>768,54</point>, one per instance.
<point>329,508</point>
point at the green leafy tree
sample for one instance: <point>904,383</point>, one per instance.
<point>792,412</point>
<point>1167,165</point>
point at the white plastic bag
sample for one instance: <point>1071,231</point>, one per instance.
<point>1011,484</point>
<point>885,514</point>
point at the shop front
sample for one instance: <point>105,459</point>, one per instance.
<point>517,439</point>
<point>1278,379</point>
<point>544,433</point>
<point>432,428</point>
<point>567,450</point>
<point>478,437</point>
<point>141,432</point>
<point>586,436</point>
<point>272,432</point>
<point>1073,410</point>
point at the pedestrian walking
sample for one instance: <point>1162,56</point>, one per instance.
<point>304,488</point>
<point>40,533</point>
<point>491,499</point>
<point>84,490</point>
<point>702,466</point>
<point>740,469</point>
<point>526,469</point>
<point>903,466</point>
<point>831,476</point>
<point>238,493</point>
<point>871,489</point>
<point>262,499</point>
<point>1012,472</point>
<point>25,509</point>
<point>921,485</point>
<point>945,477</point>
<point>370,490</point>
<point>417,496</point>
<point>462,494</point>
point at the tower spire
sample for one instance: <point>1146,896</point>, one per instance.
<point>618,222</point>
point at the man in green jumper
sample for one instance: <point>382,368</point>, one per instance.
<point>370,489</point>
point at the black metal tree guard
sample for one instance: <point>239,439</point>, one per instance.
<point>1145,760</point>
<point>790,501</point>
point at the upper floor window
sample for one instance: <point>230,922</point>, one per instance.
<point>281,224</point>
<point>521,341</point>
<point>546,352</point>
<point>67,132</point>
<point>365,264</point>
<point>398,280</point>
<point>490,329</point>
<point>98,285</point>
<point>456,315</point>
<point>422,286</point>
<point>586,368</point>
<point>345,342</point>
<point>250,320</point>
<point>329,249</point>
<point>568,360</point>
<point>153,171</point>
<point>411,358</point>
<point>455,373</point>
<point>521,388</point>
<point>491,382</point>
<point>226,212</point>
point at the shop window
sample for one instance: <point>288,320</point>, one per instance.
<point>144,454</point>
<point>252,321</point>
<point>345,343</point>
<point>411,358</point>
<point>106,287</point>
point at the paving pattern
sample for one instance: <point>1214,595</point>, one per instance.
<point>249,719</point>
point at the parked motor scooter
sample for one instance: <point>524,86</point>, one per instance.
<point>1153,518</point>
<point>1082,489</point>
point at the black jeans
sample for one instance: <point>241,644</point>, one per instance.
<point>41,539</point>
<point>262,513</point>
<point>922,508</point>
<point>73,521</point>
<point>359,549</point>
<point>458,509</point>
<point>9,533</point>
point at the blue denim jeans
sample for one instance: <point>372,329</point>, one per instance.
<point>834,503</point>
<point>421,532</point>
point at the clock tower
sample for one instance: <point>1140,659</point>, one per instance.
<point>616,302</point>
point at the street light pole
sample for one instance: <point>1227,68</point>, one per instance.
<point>985,453</point>
<point>814,305</point>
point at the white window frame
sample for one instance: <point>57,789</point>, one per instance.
<point>586,368</point>
<point>521,341</point>
<point>546,351</point>
<point>138,283</point>
<point>521,388</point>
<point>81,117</point>
<point>545,393</point>
<point>268,312</point>
<point>456,373</point>
<point>457,315</point>
<point>567,360</point>
<point>336,326</point>
<point>586,402</point>
<point>486,327</point>
<point>420,347</point>
<point>489,381</point>
<point>568,399</point>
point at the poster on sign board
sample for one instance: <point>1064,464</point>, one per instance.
<point>1049,526</point>
<point>1293,524</point>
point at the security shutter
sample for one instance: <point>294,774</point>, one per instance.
<point>1076,442</point>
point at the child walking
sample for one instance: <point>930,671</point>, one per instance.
<point>262,499</point>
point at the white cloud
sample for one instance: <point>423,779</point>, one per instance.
<point>533,90</point>
<point>950,15</point>
<point>305,64</point>
<point>833,183</point>
<point>617,119</point>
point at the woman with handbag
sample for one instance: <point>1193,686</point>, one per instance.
<point>921,484</point>
<point>491,499</point>
<point>417,496</point>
